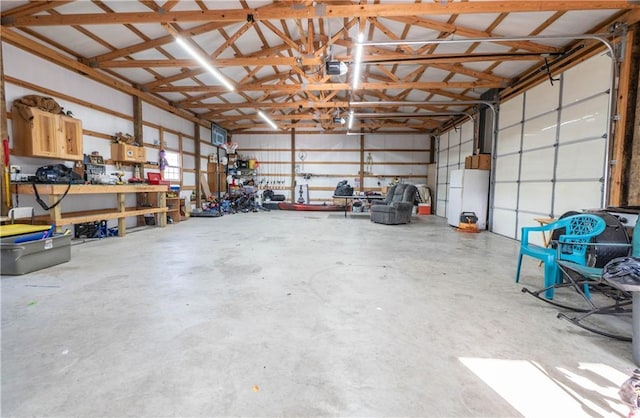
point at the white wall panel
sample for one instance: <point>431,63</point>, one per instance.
<point>189,145</point>
<point>171,141</point>
<point>541,99</point>
<point>587,119</point>
<point>537,165</point>
<point>188,179</point>
<point>189,162</point>
<point>99,145</point>
<point>540,131</point>
<point>30,68</point>
<point>166,119</point>
<point>510,112</point>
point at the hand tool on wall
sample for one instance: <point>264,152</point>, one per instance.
<point>5,180</point>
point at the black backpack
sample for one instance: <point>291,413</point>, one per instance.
<point>343,189</point>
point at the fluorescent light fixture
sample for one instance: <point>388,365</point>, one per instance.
<point>351,117</point>
<point>204,63</point>
<point>356,62</point>
<point>266,119</point>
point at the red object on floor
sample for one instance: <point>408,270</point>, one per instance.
<point>310,207</point>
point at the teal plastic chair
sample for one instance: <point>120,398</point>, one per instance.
<point>572,245</point>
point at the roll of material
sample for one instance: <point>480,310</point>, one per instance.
<point>614,238</point>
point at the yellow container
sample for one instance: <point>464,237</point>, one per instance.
<point>252,164</point>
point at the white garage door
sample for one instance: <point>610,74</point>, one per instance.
<point>453,147</point>
<point>550,151</point>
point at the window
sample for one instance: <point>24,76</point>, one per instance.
<point>172,171</point>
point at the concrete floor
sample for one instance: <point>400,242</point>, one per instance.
<point>298,314</point>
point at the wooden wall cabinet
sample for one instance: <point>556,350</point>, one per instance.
<point>128,153</point>
<point>47,135</point>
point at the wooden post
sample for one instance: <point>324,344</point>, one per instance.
<point>122,222</point>
<point>632,175</point>
<point>361,176</point>
<point>621,139</point>
<point>4,134</point>
<point>196,139</point>
<point>137,121</point>
<point>293,165</point>
<point>180,157</point>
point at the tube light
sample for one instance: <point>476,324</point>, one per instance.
<point>266,119</point>
<point>356,62</point>
<point>204,63</point>
<point>351,118</point>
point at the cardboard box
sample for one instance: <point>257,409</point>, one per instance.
<point>480,162</point>
<point>467,161</point>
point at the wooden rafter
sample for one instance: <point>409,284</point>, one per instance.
<point>307,12</point>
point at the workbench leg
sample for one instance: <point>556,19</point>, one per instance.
<point>55,214</point>
<point>162,203</point>
<point>122,222</point>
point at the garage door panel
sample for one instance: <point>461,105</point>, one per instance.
<point>577,196</point>
<point>538,165</point>
<point>466,131</point>
<point>586,119</point>
<point>506,195</point>
<point>540,132</point>
<point>582,160</point>
<point>507,167</point>
<point>466,149</point>
<point>535,197</point>
<point>586,78</point>
<point>527,219</point>
<point>503,222</point>
<point>509,140</point>
<point>454,155</point>
<point>542,99</point>
<point>510,112</point>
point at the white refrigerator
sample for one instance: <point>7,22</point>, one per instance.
<point>468,192</point>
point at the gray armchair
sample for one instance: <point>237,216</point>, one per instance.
<point>397,207</point>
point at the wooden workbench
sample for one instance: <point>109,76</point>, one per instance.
<point>55,191</point>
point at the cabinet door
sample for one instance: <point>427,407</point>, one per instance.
<point>44,131</point>
<point>71,138</point>
<point>141,154</point>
